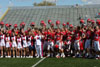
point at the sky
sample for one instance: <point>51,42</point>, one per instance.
<point>4,4</point>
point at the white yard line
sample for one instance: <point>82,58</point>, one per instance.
<point>38,62</point>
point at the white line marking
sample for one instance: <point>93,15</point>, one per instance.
<point>39,62</point>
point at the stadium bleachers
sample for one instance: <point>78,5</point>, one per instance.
<point>63,13</point>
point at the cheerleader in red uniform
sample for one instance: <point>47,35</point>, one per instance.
<point>30,44</point>
<point>14,44</point>
<point>19,46</point>
<point>50,44</point>
<point>8,45</point>
<point>24,42</point>
<point>67,46</point>
<point>59,43</point>
<point>77,41</point>
<point>2,43</point>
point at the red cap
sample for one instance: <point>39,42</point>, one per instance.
<point>88,20</point>
<point>42,22</point>
<point>92,21</point>
<point>52,24</point>
<point>98,21</point>
<point>49,21</point>
<point>22,23</point>
<point>57,22</point>
<point>67,23</point>
<point>56,46</point>
<point>65,43</point>
<point>1,23</point>
<point>68,38</point>
<point>9,31</point>
<point>64,24</point>
<point>62,33</point>
<point>81,21</point>
<point>15,25</point>
<point>32,23</point>
<point>70,25</point>
<point>7,25</point>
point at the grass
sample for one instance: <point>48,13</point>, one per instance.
<point>69,62</point>
<point>49,62</point>
<point>17,62</point>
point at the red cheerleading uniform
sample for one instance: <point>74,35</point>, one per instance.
<point>77,36</point>
<point>58,36</point>
<point>88,34</point>
<point>97,35</point>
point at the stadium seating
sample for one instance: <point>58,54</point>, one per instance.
<point>63,13</point>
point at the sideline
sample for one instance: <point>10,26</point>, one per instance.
<point>38,62</point>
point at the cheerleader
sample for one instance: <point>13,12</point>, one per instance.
<point>77,37</point>
<point>19,46</point>
<point>67,46</point>
<point>30,44</point>
<point>14,44</point>
<point>50,44</point>
<point>24,41</point>
<point>61,49</point>
<point>8,45</point>
<point>96,42</point>
<point>2,43</point>
<point>59,44</point>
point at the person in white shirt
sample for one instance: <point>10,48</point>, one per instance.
<point>14,44</point>
<point>38,44</point>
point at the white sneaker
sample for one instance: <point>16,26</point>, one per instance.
<point>41,56</point>
<point>35,54</point>
<point>37,57</point>
<point>63,56</point>
<point>13,56</point>
<point>96,58</point>
<point>1,56</point>
<point>23,56</point>
<point>31,57</point>
<point>48,55</point>
<point>9,56</point>
<point>27,57</point>
<point>6,56</point>
<point>18,57</point>
<point>86,55</point>
<point>57,56</point>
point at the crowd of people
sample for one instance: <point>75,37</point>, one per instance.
<point>74,41</point>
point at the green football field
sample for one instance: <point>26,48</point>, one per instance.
<point>49,62</point>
